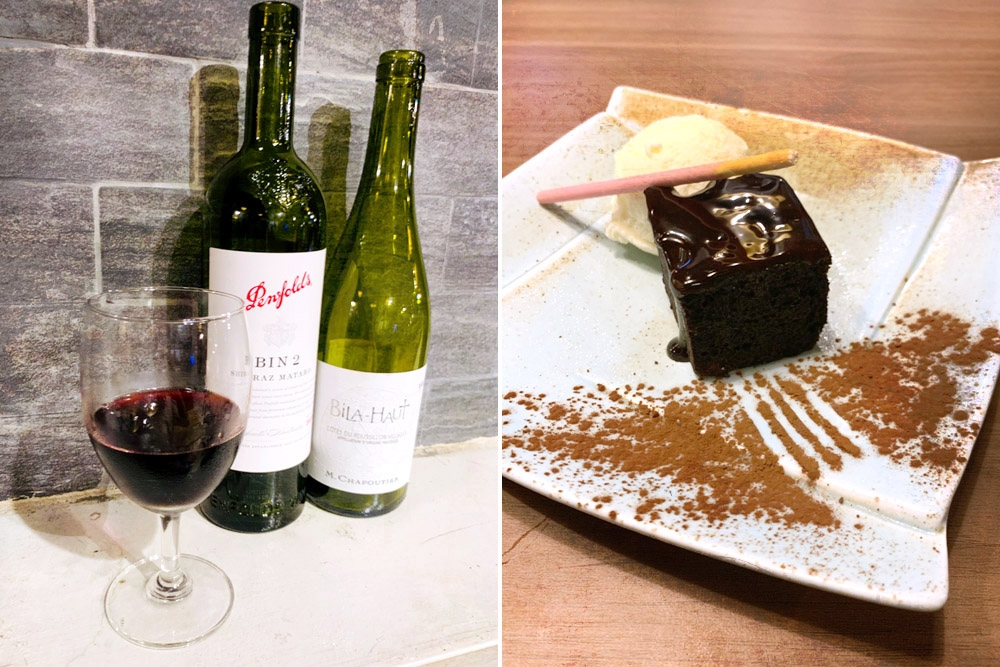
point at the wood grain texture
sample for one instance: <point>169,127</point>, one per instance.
<point>579,591</point>
<point>925,74</point>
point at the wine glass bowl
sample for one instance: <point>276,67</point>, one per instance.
<point>165,386</point>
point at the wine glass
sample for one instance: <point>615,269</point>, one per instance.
<point>165,381</point>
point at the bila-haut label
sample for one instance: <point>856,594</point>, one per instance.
<point>365,428</point>
<point>376,414</point>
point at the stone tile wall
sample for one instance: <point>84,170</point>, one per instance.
<point>115,113</point>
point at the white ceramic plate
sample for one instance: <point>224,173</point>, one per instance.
<point>908,229</point>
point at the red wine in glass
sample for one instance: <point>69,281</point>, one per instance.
<point>165,390</point>
<point>166,449</point>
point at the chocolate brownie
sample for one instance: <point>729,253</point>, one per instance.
<point>745,271</point>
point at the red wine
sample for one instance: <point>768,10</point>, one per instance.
<point>166,449</point>
<point>265,240</point>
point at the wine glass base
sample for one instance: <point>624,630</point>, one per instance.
<point>157,623</point>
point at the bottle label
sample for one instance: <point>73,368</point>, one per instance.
<point>283,292</point>
<point>365,428</point>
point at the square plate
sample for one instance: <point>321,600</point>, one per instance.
<point>834,470</point>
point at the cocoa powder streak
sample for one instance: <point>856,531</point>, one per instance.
<point>832,459</point>
<point>902,395</point>
<point>797,392</point>
<point>809,465</point>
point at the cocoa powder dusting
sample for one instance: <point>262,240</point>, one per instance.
<point>829,457</point>
<point>900,392</point>
<point>901,395</point>
<point>798,393</point>
<point>707,444</point>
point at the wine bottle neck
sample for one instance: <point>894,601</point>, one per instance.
<point>270,93</point>
<point>391,141</point>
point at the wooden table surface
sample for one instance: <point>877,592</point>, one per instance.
<point>580,591</point>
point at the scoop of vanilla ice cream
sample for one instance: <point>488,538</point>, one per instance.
<point>669,143</point>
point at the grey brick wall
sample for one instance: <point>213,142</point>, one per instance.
<point>113,116</point>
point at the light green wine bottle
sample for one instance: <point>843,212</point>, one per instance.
<point>264,238</point>
<point>376,318</point>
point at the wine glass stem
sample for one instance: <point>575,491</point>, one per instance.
<point>170,583</point>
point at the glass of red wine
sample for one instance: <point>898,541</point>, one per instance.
<point>165,381</point>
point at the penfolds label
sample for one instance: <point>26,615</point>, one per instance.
<point>259,296</point>
<point>283,293</point>
<point>365,428</point>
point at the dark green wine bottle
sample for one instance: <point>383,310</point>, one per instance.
<point>376,318</point>
<point>264,239</point>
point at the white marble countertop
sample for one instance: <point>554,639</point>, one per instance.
<point>417,586</point>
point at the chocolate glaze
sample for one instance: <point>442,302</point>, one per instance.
<point>677,349</point>
<point>735,225</point>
